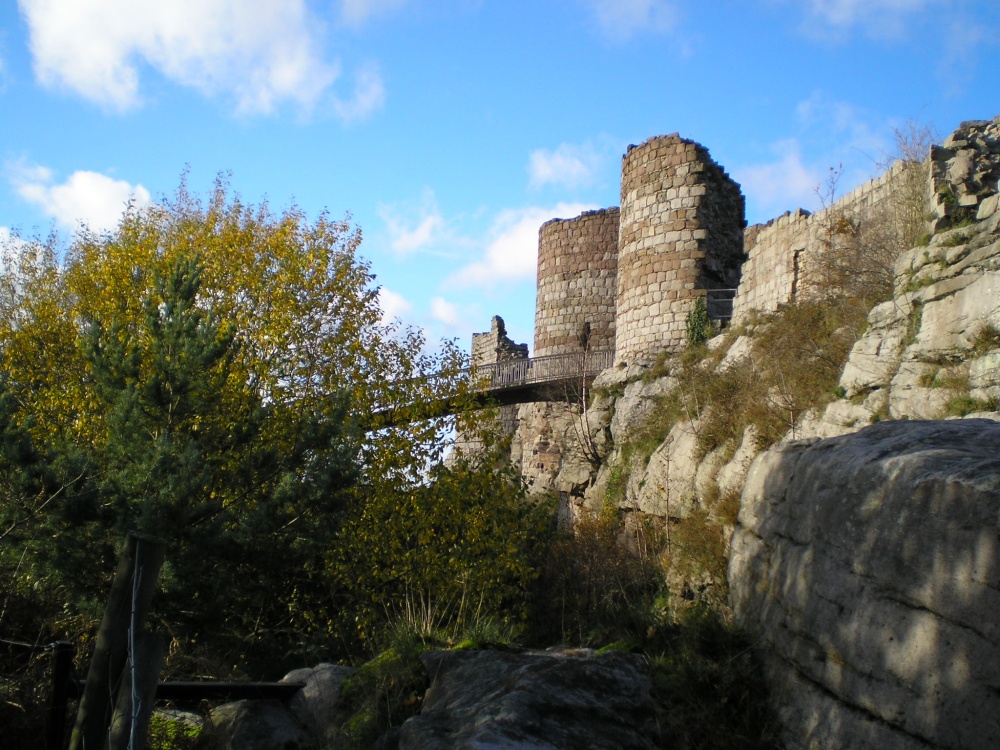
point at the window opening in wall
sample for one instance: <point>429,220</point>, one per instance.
<point>719,305</point>
<point>795,272</point>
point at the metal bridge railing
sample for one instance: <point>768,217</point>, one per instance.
<point>520,372</point>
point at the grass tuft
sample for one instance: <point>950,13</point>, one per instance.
<point>986,340</point>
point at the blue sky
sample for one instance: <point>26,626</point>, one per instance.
<point>450,130</point>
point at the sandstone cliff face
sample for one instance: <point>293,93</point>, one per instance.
<point>869,563</point>
<point>938,340</point>
<point>870,566</point>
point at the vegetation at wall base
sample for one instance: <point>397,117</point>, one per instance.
<point>592,592</point>
<point>698,325</point>
<point>384,692</point>
<point>795,360</point>
<point>169,731</point>
<point>962,405</point>
<point>709,688</point>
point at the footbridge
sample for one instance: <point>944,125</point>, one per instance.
<point>558,377</point>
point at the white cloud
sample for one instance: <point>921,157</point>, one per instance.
<point>412,228</point>
<point>570,166</point>
<point>88,199</point>
<point>444,312</point>
<point>357,12</point>
<point>368,96</point>
<point>622,19</point>
<point>878,18</point>
<point>8,242</point>
<point>259,52</point>
<point>842,123</point>
<point>837,147</point>
<point>394,306</point>
<point>781,184</point>
<point>512,252</point>
<point>420,236</point>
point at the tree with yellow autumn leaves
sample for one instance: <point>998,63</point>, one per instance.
<point>207,372</point>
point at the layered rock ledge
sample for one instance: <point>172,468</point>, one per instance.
<point>869,565</point>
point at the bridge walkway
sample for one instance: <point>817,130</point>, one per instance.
<point>558,377</point>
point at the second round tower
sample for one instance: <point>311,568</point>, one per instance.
<point>577,283</point>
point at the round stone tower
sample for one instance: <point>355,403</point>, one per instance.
<point>577,287</point>
<point>681,234</point>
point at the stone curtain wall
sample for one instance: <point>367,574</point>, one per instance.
<point>772,271</point>
<point>781,254</point>
<point>494,345</point>
<point>487,349</point>
<point>681,232</point>
<point>577,282</point>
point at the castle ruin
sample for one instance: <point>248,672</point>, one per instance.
<point>625,280</point>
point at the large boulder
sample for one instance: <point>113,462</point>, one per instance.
<point>869,564</point>
<point>318,704</point>
<point>480,699</point>
<point>309,719</point>
<point>255,725</point>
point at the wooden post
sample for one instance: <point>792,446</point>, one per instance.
<point>62,664</point>
<point>128,603</point>
<point>130,724</point>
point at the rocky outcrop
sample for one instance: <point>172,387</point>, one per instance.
<point>869,565</point>
<point>965,171</point>
<point>557,446</point>
<point>936,344</point>
<point>926,354</point>
<point>480,699</point>
<point>310,719</point>
<point>317,706</point>
<point>476,699</point>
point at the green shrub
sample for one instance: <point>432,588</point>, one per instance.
<point>384,692</point>
<point>661,367</point>
<point>168,731</point>
<point>915,284</point>
<point>962,405</point>
<point>913,322</point>
<point>593,590</point>
<point>699,325</point>
<point>699,549</point>
<point>709,687</point>
<point>795,363</point>
<point>468,534</point>
<point>959,238</point>
<point>929,378</point>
